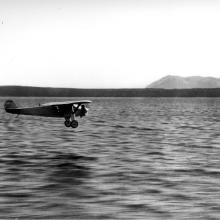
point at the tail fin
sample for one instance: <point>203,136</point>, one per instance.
<point>9,104</point>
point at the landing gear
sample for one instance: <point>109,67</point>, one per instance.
<point>74,124</point>
<point>67,123</point>
<point>70,121</point>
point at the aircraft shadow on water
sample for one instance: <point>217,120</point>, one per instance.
<point>68,110</point>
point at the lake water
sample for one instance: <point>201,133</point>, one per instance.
<point>130,158</point>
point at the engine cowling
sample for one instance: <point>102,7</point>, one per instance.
<point>82,111</point>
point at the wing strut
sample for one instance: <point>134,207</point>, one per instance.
<point>75,108</point>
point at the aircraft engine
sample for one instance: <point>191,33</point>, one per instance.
<point>82,111</point>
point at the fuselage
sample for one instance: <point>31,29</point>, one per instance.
<point>46,111</point>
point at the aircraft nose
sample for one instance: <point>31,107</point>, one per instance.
<point>84,110</point>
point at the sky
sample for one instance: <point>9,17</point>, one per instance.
<point>107,43</point>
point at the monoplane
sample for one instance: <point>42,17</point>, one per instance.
<point>68,110</point>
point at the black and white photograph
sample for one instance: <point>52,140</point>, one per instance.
<point>109,109</point>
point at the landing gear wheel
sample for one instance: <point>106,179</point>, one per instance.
<point>67,123</point>
<point>74,124</point>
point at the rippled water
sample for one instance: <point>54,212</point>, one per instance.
<point>130,158</point>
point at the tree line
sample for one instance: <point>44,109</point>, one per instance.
<point>28,91</point>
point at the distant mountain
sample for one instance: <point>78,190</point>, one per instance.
<point>178,82</point>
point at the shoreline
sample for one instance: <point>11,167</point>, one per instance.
<point>29,91</point>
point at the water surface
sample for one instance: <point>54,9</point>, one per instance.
<point>130,158</point>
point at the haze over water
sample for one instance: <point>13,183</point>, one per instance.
<point>130,158</point>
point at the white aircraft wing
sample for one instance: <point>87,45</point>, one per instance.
<point>81,102</point>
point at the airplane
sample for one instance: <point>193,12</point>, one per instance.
<point>68,110</point>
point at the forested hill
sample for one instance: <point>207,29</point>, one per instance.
<point>26,91</point>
